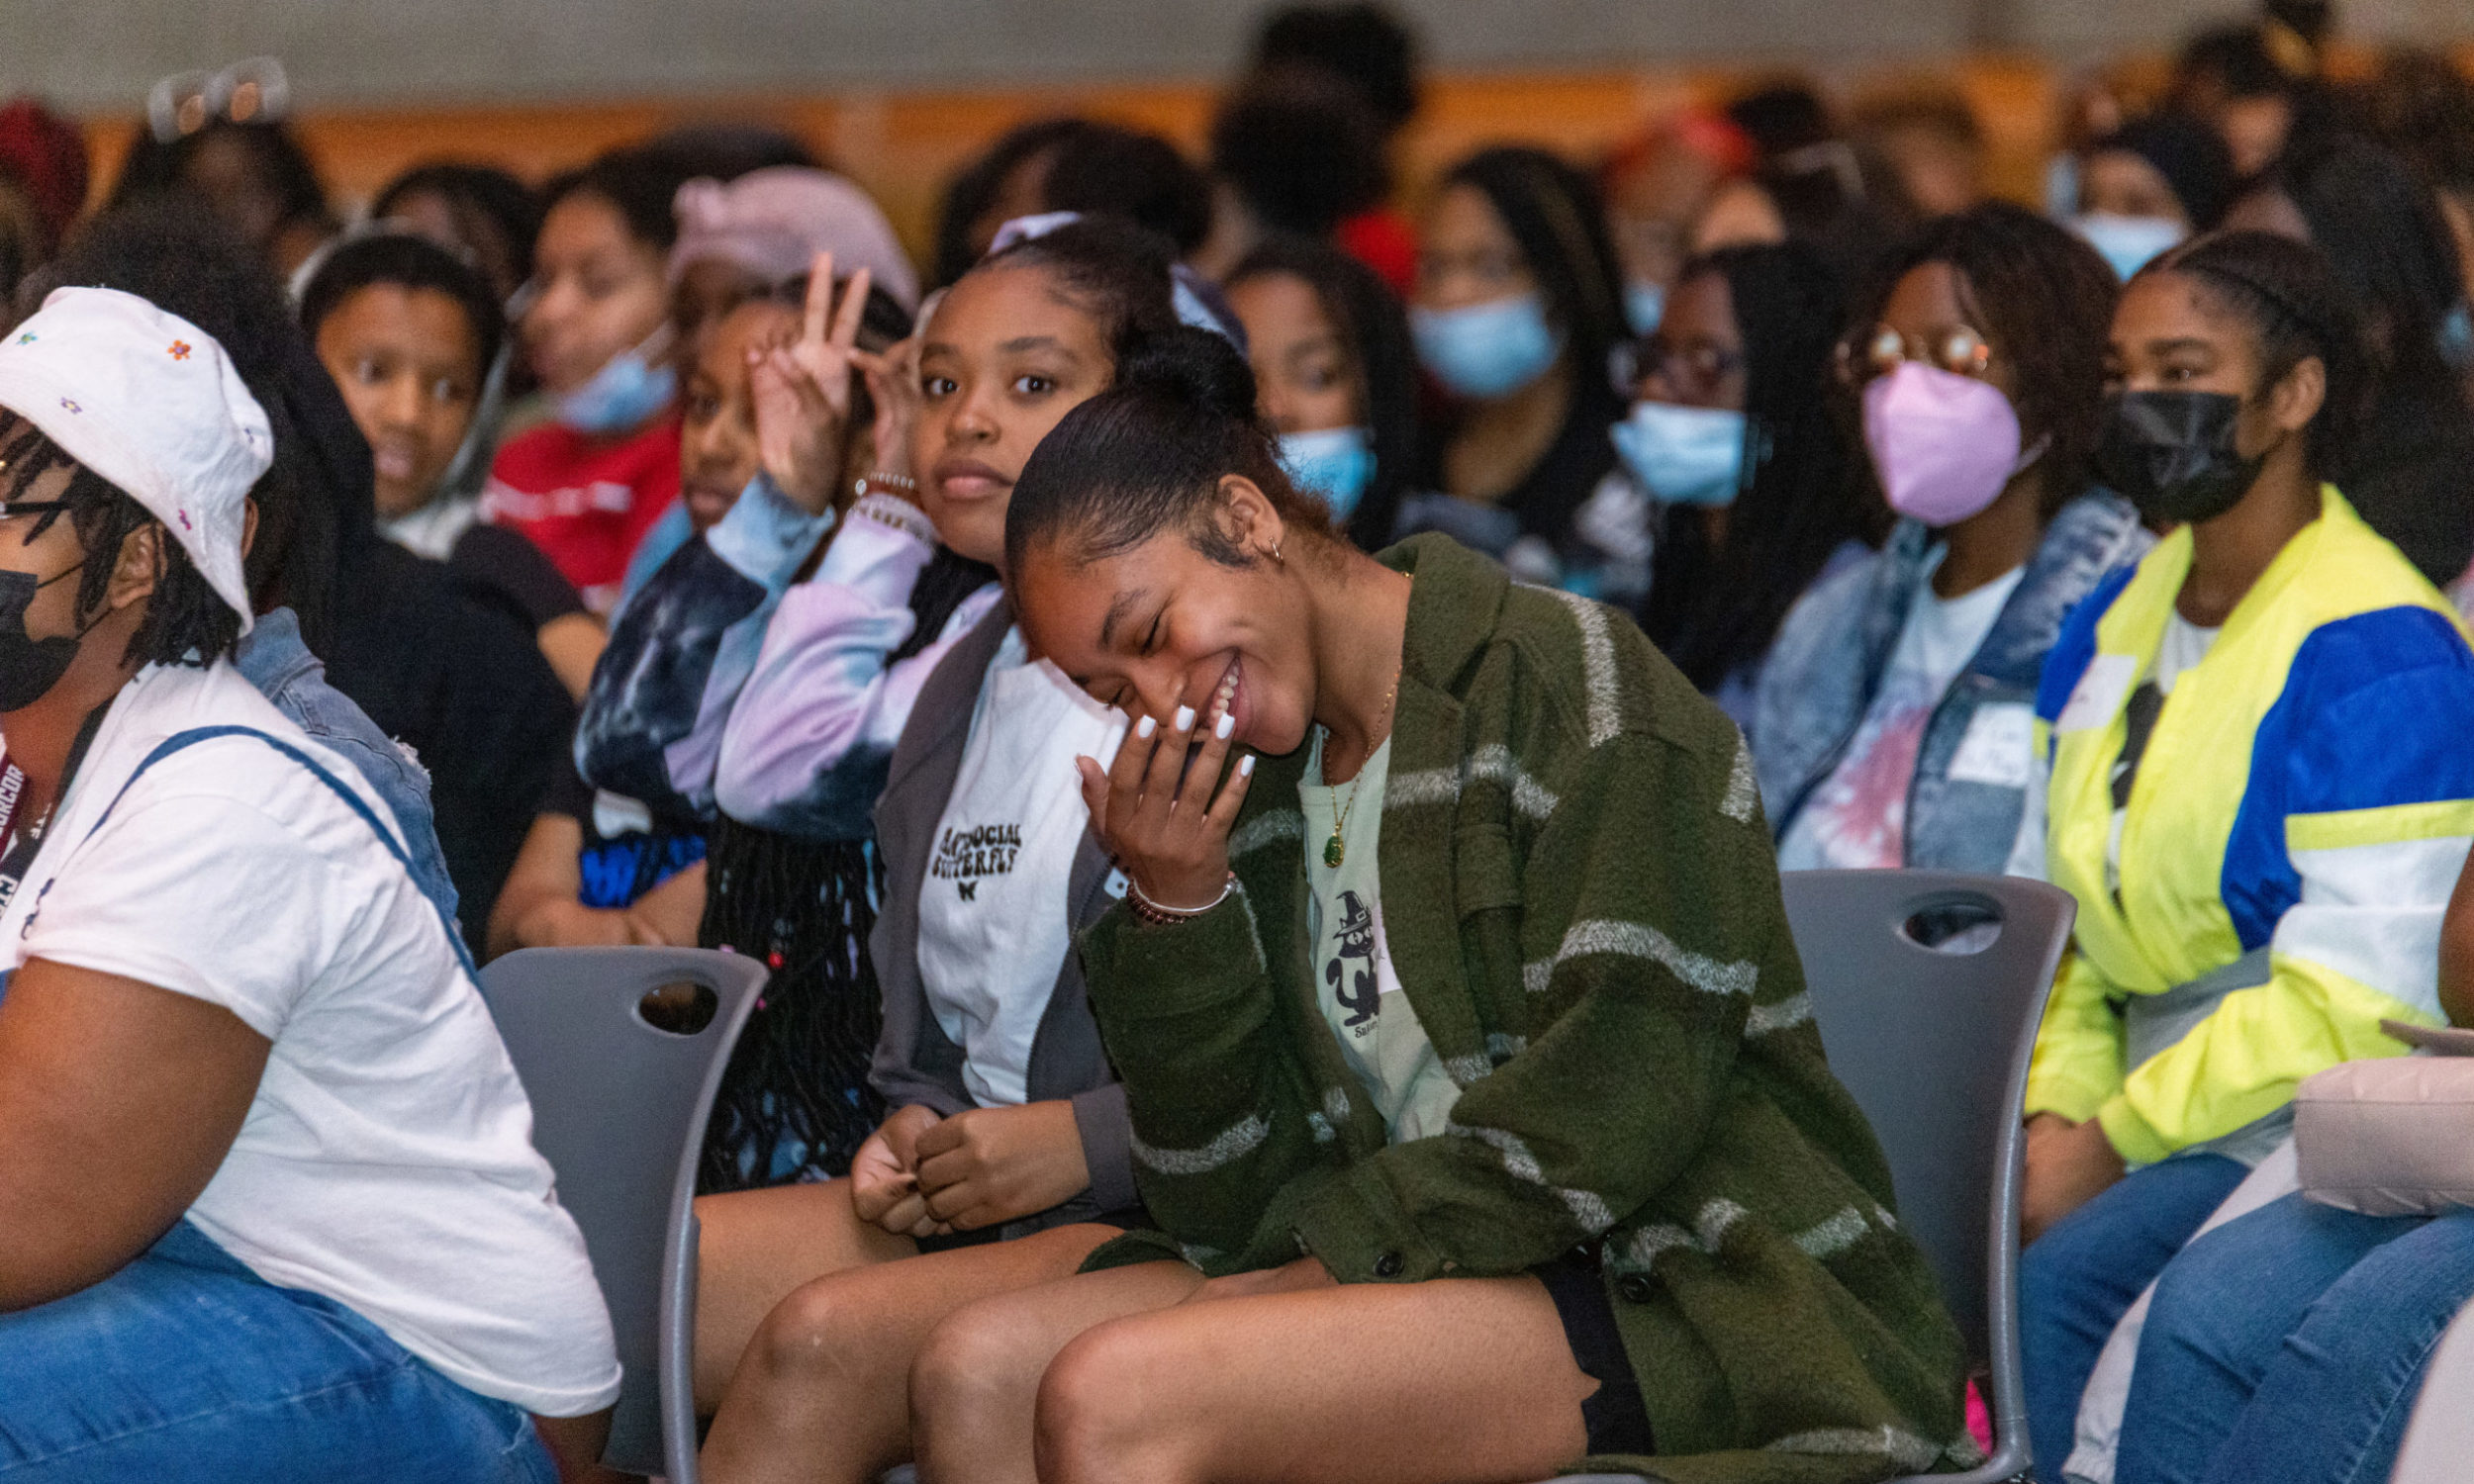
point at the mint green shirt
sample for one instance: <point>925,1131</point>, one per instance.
<point>1355,985</point>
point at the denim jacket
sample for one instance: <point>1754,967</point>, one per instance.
<point>273,658</point>
<point>1833,651</point>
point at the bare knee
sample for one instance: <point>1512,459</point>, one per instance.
<point>818,1336</point>
<point>1093,1422</point>
<point>972,1361</point>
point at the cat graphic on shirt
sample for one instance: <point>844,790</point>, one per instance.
<point>1355,989</point>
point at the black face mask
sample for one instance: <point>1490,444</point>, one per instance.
<point>2172,453</point>
<point>28,667</point>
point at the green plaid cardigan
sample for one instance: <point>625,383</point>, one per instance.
<point>1582,905</point>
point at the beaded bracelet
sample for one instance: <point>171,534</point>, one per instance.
<point>880,480</point>
<point>1159,916</point>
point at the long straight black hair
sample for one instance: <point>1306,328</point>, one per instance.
<point>1804,495</point>
<point>1555,213</point>
<point>1376,329</point>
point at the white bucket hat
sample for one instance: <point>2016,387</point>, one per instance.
<point>152,404</point>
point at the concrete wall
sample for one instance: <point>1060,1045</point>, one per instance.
<point>104,53</point>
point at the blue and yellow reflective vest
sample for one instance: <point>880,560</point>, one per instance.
<point>2309,787</point>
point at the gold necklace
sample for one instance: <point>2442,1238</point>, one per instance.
<point>1334,851</point>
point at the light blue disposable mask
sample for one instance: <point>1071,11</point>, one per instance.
<point>1684,455</point>
<point>1645,304</point>
<point>1336,463</point>
<point>2456,337</point>
<point>2127,243</point>
<point>626,392</point>
<point>1486,350</point>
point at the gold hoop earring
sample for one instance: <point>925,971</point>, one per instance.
<point>1276,557</point>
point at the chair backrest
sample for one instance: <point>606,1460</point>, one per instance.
<point>619,1108</point>
<point>1934,1045</point>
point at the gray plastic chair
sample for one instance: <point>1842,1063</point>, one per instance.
<point>1934,1046</point>
<point>618,1109</point>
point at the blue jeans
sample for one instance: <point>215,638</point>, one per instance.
<point>2290,1345</point>
<point>2077,1280</point>
<point>186,1365</point>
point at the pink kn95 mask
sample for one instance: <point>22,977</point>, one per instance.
<point>1945,444</point>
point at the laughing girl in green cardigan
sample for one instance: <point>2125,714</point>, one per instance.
<point>1467,1050</point>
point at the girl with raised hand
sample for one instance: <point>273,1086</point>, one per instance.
<point>1894,724</point>
<point>773,435</point>
<point>611,866</point>
<point>1005,1120</point>
<point>1494,1141</point>
<point>2261,797</point>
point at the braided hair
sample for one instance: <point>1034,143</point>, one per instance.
<point>186,623</point>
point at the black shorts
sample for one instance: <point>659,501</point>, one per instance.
<point>1617,1419</point>
<point>1125,1219</point>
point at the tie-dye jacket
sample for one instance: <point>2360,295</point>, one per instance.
<point>725,686</point>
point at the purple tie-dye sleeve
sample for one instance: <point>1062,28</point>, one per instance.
<point>807,741</point>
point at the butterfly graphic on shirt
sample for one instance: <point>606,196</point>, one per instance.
<point>1355,988</point>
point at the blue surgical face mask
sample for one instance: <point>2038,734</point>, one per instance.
<point>627,392</point>
<point>1645,304</point>
<point>2456,337</point>
<point>1684,455</point>
<point>1336,463</point>
<point>2127,243</point>
<point>1486,350</point>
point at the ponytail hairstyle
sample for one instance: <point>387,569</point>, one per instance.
<point>1148,455</point>
<point>2296,308</point>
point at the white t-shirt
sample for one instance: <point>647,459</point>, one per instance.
<point>386,1159</point>
<point>1856,820</point>
<point>993,909</point>
<point>1359,994</point>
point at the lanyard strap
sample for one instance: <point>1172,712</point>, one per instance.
<point>19,846</point>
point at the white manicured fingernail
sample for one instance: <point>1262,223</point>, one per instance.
<point>1245,766</point>
<point>1145,728</point>
<point>1227,724</point>
<point>1185,718</point>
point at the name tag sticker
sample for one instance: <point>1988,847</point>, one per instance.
<point>1999,748</point>
<point>2100,692</point>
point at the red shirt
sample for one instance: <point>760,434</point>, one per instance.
<point>1383,240</point>
<point>585,500</point>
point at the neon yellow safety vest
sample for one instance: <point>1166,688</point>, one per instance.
<point>2309,786</point>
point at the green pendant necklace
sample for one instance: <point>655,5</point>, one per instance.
<point>1335,849</point>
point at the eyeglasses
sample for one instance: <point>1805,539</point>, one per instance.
<point>10,510</point>
<point>1961,352</point>
<point>1687,368</point>
<point>186,102</point>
